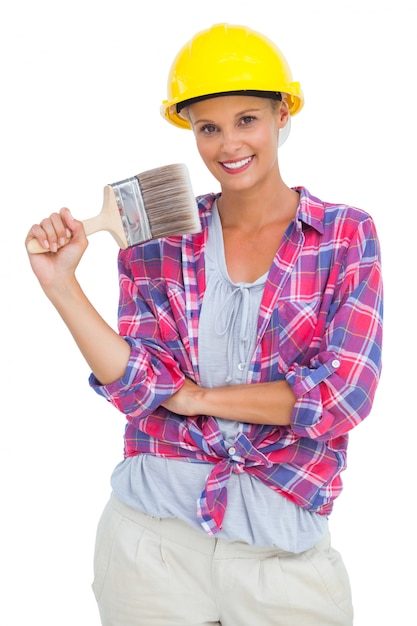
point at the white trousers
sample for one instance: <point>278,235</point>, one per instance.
<point>161,572</point>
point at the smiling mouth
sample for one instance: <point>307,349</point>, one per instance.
<point>235,165</point>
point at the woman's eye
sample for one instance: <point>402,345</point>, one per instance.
<point>247,119</point>
<point>208,128</point>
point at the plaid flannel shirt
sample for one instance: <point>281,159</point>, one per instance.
<point>319,327</point>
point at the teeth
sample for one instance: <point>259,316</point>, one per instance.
<point>237,164</point>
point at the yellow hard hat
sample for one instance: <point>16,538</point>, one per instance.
<point>227,59</point>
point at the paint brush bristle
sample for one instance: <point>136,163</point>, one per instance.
<point>169,201</point>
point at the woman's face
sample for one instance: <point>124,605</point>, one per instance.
<point>237,138</point>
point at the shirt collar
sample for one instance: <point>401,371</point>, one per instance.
<point>310,210</point>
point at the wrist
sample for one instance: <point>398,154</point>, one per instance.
<point>63,290</point>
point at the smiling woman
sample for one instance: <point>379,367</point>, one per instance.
<point>237,137</point>
<point>245,355</point>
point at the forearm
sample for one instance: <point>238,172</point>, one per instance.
<point>105,351</point>
<point>64,242</point>
<point>258,403</point>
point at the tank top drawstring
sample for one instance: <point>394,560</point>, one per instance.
<point>236,305</point>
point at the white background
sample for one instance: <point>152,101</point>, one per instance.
<point>81,86</point>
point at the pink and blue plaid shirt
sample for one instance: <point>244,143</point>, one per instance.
<point>319,327</point>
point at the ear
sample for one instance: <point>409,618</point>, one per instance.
<point>283,115</point>
<point>283,123</point>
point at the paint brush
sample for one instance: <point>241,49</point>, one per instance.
<point>157,203</point>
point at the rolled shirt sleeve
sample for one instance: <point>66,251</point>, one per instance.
<point>158,362</point>
<point>336,389</point>
<point>151,377</point>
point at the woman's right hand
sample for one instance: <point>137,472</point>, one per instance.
<point>65,241</point>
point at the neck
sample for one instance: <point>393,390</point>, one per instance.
<point>253,210</point>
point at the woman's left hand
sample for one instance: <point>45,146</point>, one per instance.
<point>183,401</point>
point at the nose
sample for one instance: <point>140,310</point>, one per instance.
<point>231,140</point>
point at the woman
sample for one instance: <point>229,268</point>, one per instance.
<point>245,355</point>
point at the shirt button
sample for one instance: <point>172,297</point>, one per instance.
<point>232,451</point>
<point>336,363</point>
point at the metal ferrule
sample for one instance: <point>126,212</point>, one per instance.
<point>132,211</point>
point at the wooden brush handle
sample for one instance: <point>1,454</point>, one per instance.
<point>108,219</point>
